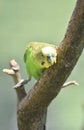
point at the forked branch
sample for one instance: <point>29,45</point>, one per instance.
<point>32,108</point>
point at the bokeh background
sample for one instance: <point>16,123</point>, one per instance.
<point>46,21</point>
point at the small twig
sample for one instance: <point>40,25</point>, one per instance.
<point>9,72</point>
<point>70,83</point>
<point>14,71</point>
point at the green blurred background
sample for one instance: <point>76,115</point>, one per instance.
<point>37,20</point>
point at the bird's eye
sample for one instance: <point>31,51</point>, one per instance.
<point>50,55</point>
<point>42,63</point>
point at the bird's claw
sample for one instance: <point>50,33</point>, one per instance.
<point>21,83</point>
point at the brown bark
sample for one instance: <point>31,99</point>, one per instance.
<point>32,107</point>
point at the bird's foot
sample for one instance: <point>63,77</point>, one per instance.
<point>21,83</point>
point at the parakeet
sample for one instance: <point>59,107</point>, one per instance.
<point>38,57</point>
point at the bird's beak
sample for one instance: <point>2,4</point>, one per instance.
<point>51,59</point>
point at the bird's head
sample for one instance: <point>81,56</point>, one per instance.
<point>49,56</point>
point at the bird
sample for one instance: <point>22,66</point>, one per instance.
<point>38,57</point>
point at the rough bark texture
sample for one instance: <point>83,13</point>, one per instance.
<point>32,107</point>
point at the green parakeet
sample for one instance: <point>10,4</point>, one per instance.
<point>38,57</point>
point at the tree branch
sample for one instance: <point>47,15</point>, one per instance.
<point>14,71</point>
<point>32,109</point>
<point>70,83</point>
